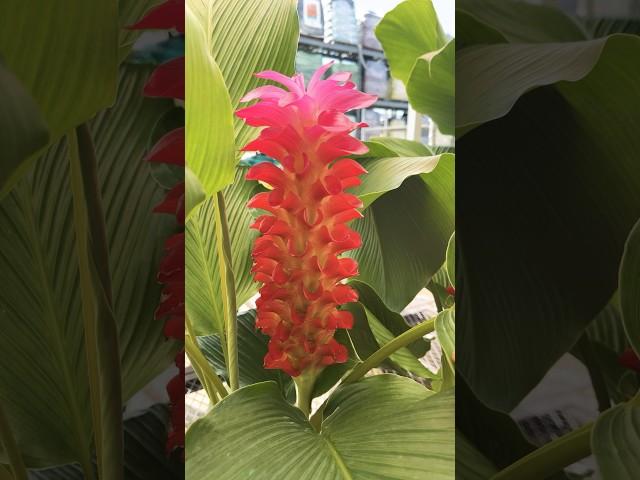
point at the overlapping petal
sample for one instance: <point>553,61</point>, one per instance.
<point>305,230</point>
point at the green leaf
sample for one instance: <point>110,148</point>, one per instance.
<point>432,85</point>
<point>522,22</point>
<point>210,151</point>
<point>529,229</point>
<point>446,332</point>
<point>43,379</point>
<point>450,263</point>
<point>193,191</point>
<point>384,174</point>
<point>407,32</point>
<point>380,147</point>
<point>630,288</point>
<point>417,52</point>
<point>405,234</point>
<point>23,131</point>
<point>503,73</point>
<point>68,92</point>
<point>614,441</point>
<point>203,297</point>
<point>255,432</point>
<point>233,33</point>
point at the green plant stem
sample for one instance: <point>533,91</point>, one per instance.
<point>376,358</point>
<point>550,458</point>
<point>585,350</point>
<point>380,355</point>
<point>100,328</point>
<point>227,282</point>
<point>304,390</point>
<point>210,381</point>
<point>10,446</point>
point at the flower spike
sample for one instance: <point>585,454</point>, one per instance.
<point>304,230</point>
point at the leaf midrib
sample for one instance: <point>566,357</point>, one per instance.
<point>342,467</point>
<point>52,332</point>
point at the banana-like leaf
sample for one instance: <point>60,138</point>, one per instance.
<point>68,92</point>
<point>380,147</point>
<point>405,234</point>
<point>630,288</point>
<point>418,54</point>
<point>380,427</point>
<point>23,130</point>
<point>210,150</point>
<point>522,22</point>
<point>385,174</point>
<point>43,379</point>
<point>432,86</point>
<point>614,441</point>
<point>203,297</point>
<point>263,34</point>
<point>540,250</point>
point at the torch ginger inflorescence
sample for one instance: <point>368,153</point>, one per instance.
<point>297,258</point>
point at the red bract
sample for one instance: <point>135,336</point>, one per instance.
<point>629,359</point>
<point>297,258</point>
<point>168,81</point>
<point>166,16</point>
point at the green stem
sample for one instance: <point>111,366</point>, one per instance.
<point>304,390</point>
<point>228,289</point>
<point>550,458</point>
<point>210,381</point>
<point>8,441</point>
<point>380,355</point>
<point>100,328</point>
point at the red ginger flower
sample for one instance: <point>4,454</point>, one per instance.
<point>297,258</point>
<point>168,81</point>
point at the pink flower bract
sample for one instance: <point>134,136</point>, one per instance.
<point>305,230</point>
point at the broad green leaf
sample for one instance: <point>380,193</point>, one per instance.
<point>521,244</point>
<point>405,234</point>
<point>43,379</point>
<point>380,427</point>
<point>384,174</point>
<point>203,297</point>
<point>614,441</point>
<point>246,37</point>
<point>69,92</point>
<point>210,150</point>
<point>630,288</point>
<point>495,89</point>
<point>446,332</point>
<point>407,32</point>
<point>193,191</point>
<point>432,85</point>
<point>522,22</point>
<point>471,31</point>
<point>418,54</point>
<point>391,321</point>
<point>380,147</point>
<point>23,130</point>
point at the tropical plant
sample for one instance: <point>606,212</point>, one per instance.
<point>547,200</point>
<point>81,247</point>
<point>289,380</point>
